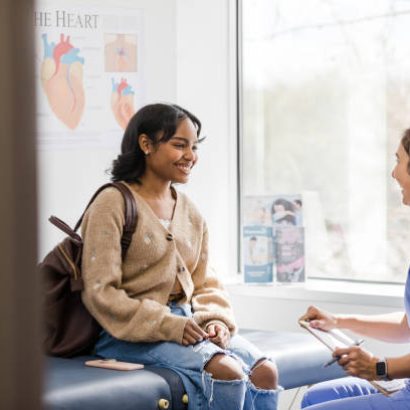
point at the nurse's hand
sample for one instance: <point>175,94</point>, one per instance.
<point>193,333</point>
<point>357,362</point>
<point>319,319</point>
<point>219,334</point>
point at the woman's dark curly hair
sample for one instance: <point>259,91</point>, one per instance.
<point>405,141</point>
<point>159,122</point>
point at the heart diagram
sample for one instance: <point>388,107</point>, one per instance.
<point>120,53</point>
<point>62,80</point>
<point>122,102</point>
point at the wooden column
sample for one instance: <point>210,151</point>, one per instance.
<point>20,369</point>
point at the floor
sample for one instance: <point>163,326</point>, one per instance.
<point>290,399</point>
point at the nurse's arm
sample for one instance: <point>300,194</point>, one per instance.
<point>398,367</point>
<point>389,327</point>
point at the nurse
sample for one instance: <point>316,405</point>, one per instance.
<point>356,392</point>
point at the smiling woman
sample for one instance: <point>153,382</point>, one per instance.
<point>171,160</point>
<point>148,136</point>
<point>402,169</point>
<point>161,305</point>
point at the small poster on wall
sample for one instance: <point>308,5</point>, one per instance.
<point>258,254</point>
<point>290,254</point>
<point>273,239</point>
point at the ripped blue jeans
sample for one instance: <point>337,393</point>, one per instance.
<point>203,391</point>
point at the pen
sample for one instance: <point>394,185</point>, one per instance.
<point>336,358</point>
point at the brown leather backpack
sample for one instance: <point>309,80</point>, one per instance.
<point>69,327</point>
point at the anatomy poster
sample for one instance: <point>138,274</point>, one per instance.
<point>89,74</point>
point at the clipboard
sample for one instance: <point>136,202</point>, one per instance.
<point>336,338</point>
<point>331,339</point>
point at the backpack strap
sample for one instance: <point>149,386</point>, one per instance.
<point>130,213</point>
<point>130,216</point>
<point>66,229</point>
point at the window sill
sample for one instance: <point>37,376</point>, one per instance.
<point>324,291</point>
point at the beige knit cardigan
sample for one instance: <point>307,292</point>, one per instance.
<point>129,298</point>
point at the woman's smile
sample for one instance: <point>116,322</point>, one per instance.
<point>185,168</point>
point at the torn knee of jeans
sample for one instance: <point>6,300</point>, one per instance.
<point>244,376</point>
<point>233,381</point>
<point>258,390</point>
<point>207,358</point>
<point>267,378</point>
<point>208,383</point>
<point>259,363</point>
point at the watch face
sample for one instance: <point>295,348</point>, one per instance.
<point>381,369</point>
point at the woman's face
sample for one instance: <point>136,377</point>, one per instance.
<point>278,208</point>
<point>173,160</point>
<point>401,175</point>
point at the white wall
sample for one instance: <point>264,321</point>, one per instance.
<point>206,83</point>
<point>189,60</point>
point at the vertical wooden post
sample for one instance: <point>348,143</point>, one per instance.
<point>20,369</point>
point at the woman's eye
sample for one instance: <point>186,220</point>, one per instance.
<point>184,146</point>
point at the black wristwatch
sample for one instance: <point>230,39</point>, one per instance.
<point>381,370</point>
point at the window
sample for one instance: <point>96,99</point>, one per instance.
<point>325,100</point>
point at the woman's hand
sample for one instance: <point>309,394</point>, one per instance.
<point>219,334</point>
<point>193,333</point>
<point>357,362</point>
<point>319,319</point>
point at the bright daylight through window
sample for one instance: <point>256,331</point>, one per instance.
<point>325,100</point>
